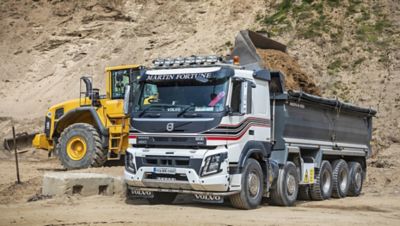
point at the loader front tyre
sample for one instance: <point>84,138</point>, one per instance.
<point>356,173</point>
<point>340,179</point>
<point>252,185</point>
<point>287,186</point>
<point>322,187</point>
<point>80,147</point>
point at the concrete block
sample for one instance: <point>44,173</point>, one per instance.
<point>119,186</point>
<point>85,184</point>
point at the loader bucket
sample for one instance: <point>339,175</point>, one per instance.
<point>246,43</point>
<point>23,140</point>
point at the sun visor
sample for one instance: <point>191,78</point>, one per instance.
<point>184,74</point>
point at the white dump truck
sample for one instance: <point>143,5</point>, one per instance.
<point>217,130</point>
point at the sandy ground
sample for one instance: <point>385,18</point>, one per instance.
<point>379,203</point>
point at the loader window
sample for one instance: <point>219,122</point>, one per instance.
<point>119,79</point>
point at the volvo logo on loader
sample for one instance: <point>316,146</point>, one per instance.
<point>170,127</point>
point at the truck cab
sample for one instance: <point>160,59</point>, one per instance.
<point>192,128</point>
<point>214,129</point>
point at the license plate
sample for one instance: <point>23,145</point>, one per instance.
<point>166,178</point>
<point>164,170</point>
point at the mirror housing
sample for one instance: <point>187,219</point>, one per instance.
<point>127,95</point>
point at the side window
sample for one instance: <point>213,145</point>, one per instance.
<point>235,100</point>
<point>241,97</point>
<point>119,79</point>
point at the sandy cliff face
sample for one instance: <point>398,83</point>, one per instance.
<point>350,48</point>
<point>47,45</point>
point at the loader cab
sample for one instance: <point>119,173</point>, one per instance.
<point>118,77</point>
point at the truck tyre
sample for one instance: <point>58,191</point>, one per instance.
<point>79,146</point>
<point>322,187</point>
<point>340,179</point>
<point>252,185</point>
<point>356,178</point>
<point>287,186</point>
<point>163,198</point>
<point>304,193</point>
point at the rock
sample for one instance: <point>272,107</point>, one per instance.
<point>85,184</point>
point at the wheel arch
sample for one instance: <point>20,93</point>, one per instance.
<point>80,115</point>
<point>260,151</point>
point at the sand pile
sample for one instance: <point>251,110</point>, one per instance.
<point>295,78</point>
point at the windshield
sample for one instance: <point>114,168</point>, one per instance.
<point>183,96</point>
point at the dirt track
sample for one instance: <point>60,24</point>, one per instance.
<point>365,210</point>
<point>378,205</point>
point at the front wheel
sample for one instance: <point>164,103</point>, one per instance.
<point>80,146</point>
<point>252,187</point>
<point>287,186</point>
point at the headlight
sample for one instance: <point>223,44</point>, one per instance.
<point>129,165</point>
<point>212,164</point>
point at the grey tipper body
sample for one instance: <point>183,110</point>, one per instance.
<point>213,130</point>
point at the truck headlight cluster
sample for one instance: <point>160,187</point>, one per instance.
<point>129,165</point>
<point>212,164</point>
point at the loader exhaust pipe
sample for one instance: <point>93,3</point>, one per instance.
<point>91,93</point>
<point>89,86</point>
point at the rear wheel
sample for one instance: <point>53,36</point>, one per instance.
<point>80,146</point>
<point>163,198</point>
<point>322,187</point>
<point>287,186</point>
<point>252,187</point>
<point>340,178</point>
<point>356,173</point>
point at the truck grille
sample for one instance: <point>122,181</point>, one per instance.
<point>169,161</point>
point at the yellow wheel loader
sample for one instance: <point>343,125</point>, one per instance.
<point>88,131</point>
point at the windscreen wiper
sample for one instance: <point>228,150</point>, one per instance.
<point>150,106</point>
<point>185,110</point>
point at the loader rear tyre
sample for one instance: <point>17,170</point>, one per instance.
<point>163,198</point>
<point>357,176</point>
<point>252,185</point>
<point>322,187</point>
<point>79,146</point>
<point>340,178</point>
<point>287,186</point>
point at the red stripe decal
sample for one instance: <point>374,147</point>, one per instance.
<point>236,137</point>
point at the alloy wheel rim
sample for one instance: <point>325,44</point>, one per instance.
<point>76,148</point>
<point>326,182</point>
<point>254,183</point>
<point>291,184</point>
<point>343,180</point>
